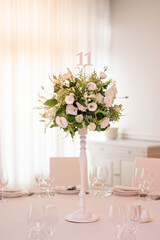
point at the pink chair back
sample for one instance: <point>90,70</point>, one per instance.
<point>66,170</point>
<point>148,163</point>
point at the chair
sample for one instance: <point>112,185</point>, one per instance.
<point>148,163</point>
<point>66,170</point>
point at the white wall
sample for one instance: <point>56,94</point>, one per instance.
<point>135,64</point>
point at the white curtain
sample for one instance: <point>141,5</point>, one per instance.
<point>40,38</point>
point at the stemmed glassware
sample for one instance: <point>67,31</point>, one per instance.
<point>132,219</point>
<point>3,179</point>
<point>101,180</point>
<point>51,220</point>
<point>98,177</point>
<point>93,177</point>
<point>117,220</point>
<point>36,221</point>
<point>139,176</point>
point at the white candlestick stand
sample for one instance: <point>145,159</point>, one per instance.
<point>82,215</point>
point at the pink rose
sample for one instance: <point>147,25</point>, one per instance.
<point>103,75</point>
<point>80,107</point>
<point>108,101</point>
<point>91,86</point>
<point>70,109</point>
<point>111,92</point>
<point>61,122</point>
<point>69,99</point>
<point>66,76</point>
<point>105,122</point>
<point>92,106</point>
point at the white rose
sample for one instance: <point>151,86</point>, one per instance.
<point>91,86</point>
<point>61,122</point>
<point>92,106</point>
<point>69,99</point>
<point>79,118</point>
<point>105,122</point>
<point>99,97</point>
<point>80,107</point>
<point>92,126</point>
<point>66,76</point>
<point>103,75</point>
<point>70,109</point>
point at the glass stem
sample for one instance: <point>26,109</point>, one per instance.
<point>2,194</point>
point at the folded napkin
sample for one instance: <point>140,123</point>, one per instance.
<point>120,188</point>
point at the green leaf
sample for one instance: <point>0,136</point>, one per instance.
<point>53,125</point>
<point>79,125</point>
<point>100,116</point>
<point>71,118</point>
<point>51,102</point>
<point>82,103</point>
<point>56,88</point>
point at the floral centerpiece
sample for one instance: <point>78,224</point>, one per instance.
<point>79,100</point>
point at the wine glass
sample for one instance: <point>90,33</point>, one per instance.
<point>49,179</point>
<point>39,235</point>
<point>93,177</point>
<point>132,219</point>
<point>3,179</point>
<point>139,176</point>
<point>35,220</point>
<point>102,177</point>
<point>117,219</point>
<point>51,220</point>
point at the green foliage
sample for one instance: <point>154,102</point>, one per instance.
<point>76,88</point>
<point>51,102</point>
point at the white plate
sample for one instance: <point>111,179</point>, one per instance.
<point>126,193</point>
<point>63,190</point>
<point>14,194</point>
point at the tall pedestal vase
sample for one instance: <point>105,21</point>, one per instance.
<point>82,215</point>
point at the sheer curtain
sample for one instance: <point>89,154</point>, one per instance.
<point>41,38</point>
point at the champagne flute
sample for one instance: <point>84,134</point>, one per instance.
<point>102,177</point>
<point>51,220</point>
<point>3,179</point>
<point>35,220</point>
<point>117,220</point>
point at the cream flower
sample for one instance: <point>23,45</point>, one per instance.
<point>111,92</point>
<point>69,99</point>
<point>79,118</point>
<point>66,76</point>
<point>91,86</point>
<point>108,101</point>
<point>105,122</point>
<point>50,113</point>
<point>99,97</point>
<point>103,75</point>
<point>70,109</point>
<point>80,107</point>
<point>92,106</point>
<point>61,122</point>
<point>92,126</point>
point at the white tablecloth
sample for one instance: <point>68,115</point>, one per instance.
<point>13,218</point>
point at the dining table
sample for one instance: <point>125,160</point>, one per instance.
<point>13,217</point>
